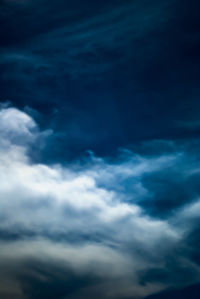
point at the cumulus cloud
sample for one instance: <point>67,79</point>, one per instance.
<point>88,221</point>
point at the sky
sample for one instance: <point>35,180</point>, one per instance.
<point>99,149</point>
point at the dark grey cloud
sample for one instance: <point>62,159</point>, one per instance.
<point>49,281</point>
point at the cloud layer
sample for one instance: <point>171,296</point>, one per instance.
<point>119,228</point>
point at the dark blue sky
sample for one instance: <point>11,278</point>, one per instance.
<point>103,74</point>
<point>99,144</point>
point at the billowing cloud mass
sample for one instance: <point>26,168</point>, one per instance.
<point>97,228</point>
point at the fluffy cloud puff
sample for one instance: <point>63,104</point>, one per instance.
<point>87,224</point>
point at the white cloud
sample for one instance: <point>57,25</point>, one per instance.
<point>50,200</point>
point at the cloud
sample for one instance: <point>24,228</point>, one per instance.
<point>87,220</point>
